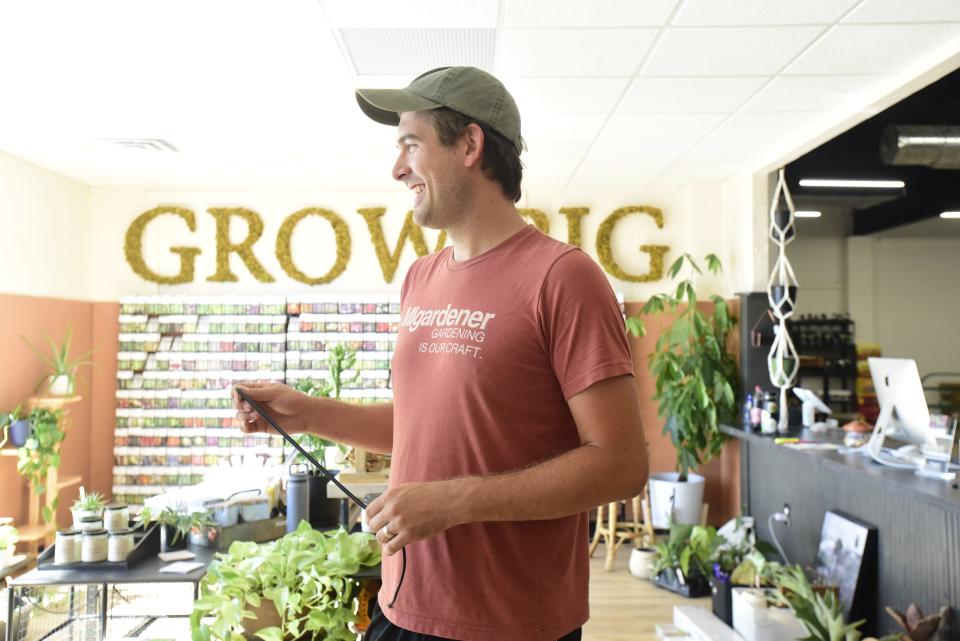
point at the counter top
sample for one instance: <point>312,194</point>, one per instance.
<point>940,494</point>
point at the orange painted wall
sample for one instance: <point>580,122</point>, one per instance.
<point>88,448</point>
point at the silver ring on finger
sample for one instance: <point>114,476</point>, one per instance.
<point>386,530</point>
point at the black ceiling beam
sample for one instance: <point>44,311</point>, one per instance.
<point>927,196</point>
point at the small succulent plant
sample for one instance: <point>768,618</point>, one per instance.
<point>917,626</point>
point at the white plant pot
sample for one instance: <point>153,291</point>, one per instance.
<point>80,514</point>
<point>684,500</point>
<point>754,621</point>
<point>60,385</point>
<point>640,562</point>
<point>6,554</point>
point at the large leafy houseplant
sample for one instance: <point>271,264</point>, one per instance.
<point>41,452</point>
<point>303,579</point>
<point>696,377</point>
<point>61,365</point>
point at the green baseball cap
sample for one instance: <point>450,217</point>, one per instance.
<point>471,91</point>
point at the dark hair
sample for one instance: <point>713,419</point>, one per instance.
<point>501,158</point>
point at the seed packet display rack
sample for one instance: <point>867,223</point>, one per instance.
<point>180,356</point>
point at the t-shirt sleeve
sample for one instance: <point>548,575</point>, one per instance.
<point>582,327</point>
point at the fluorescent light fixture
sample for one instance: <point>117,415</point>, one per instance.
<point>807,214</point>
<point>852,184</point>
<point>950,214</point>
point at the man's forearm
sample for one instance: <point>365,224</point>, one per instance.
<point>573,482</point>
<point>366,426</point>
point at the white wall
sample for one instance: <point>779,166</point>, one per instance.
<point>819,259</point>
<point>45,219</point>
<point>707,217</point>
<point>915,302</point>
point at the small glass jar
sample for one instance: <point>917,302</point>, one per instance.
<point>90,523</point>
<point>119,545</point>
<point>67,547</point>
<point>94,547</point>
<point>116,517</point>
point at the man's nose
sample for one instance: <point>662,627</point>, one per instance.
<point>400,169</point>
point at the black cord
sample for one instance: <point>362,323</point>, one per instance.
<point>259,410</point>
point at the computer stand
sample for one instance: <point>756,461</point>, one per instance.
<point>932,467</point>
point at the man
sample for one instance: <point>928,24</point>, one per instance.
<point>515,410</point>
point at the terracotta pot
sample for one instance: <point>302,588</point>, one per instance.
<point>266,616</point>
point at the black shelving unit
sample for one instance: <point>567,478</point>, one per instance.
<point>830,341</point>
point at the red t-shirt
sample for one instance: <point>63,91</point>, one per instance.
<point>488,351</point>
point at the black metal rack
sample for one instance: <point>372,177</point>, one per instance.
<point>828,354</point>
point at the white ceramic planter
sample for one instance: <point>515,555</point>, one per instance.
<point>79,514</point>
<point>683,500</point>
<point>5,555</point>
<point>640,561</point>
<point>60,386</point>
<point>754,621</point>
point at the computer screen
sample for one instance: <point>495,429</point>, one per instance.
<point>903,407</point>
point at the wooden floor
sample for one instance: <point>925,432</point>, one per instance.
<point>623,607</point>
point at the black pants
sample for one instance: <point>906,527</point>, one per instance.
<point>382,630</point>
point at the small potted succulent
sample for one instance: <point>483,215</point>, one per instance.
<point>175,526</point>
<point>87,505</point>
<point>16,426</point>
<point>62,379</point>
<point>8,543</point>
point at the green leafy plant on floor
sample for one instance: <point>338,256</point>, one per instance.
<point>691,548</point>
<point>696,377</point>
<point>40,453</point>
<point>60,363</point>
<point>302,578</point>
<point>340,358</point>
<point>820,613</point>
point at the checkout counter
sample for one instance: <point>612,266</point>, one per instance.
<point>917,519</point>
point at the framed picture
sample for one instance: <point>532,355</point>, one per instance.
<point>847,558</point>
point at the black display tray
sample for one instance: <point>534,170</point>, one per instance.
<point>696,585</point>
<point>146,545</point>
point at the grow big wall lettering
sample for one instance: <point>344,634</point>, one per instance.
<point>232,223</point>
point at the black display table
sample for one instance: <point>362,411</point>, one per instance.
<point>917,519</point>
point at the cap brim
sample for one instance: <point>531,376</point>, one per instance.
<point>386,105</point>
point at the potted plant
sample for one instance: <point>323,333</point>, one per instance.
<point>819,612</point>
<point>40,452</point>
<point>62,379</point>
<point>175,525</point>
<point>8,543</point>
<point>696,380</point>
<point>297,587</point>
<point>682,564</point>
<point>16,426</point>
<point>87,505</point>
<point>340,358</point>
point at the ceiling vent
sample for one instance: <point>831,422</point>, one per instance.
<point>152,144</point>
<point>408,52</point>
<point>932,146</point>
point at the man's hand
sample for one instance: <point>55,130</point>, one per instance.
<point>285,404</point>
<point>416,511</point>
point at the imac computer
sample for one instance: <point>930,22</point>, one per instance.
<point>903,411</point>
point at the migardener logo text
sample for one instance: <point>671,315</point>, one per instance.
<point>454,331</point>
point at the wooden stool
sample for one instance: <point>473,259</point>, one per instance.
<point>614,533</point>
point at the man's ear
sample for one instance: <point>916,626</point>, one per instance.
<point>473,144</point>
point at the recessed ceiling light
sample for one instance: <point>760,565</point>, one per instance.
<point>950,214</point>
<point>807,214</point>
<point>852,184</point>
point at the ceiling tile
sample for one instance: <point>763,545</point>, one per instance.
<point>852,49</point>
<point>685,172</point>
<point>566,95</point>
<point>764,126</point>
<point>541,128</point>
<point>713,151</point>
<point>551,164</point>
<point>728,51</point>
<point>761,12</point>
<point>421,14</point>
<point>413,51</point>
<point>812,93</point>
<point>688,126</point>
<point>597,13</point>
<point>898,11</point>
<point>572,52</point>
<point>673,95</point>
<point>628,162</point>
